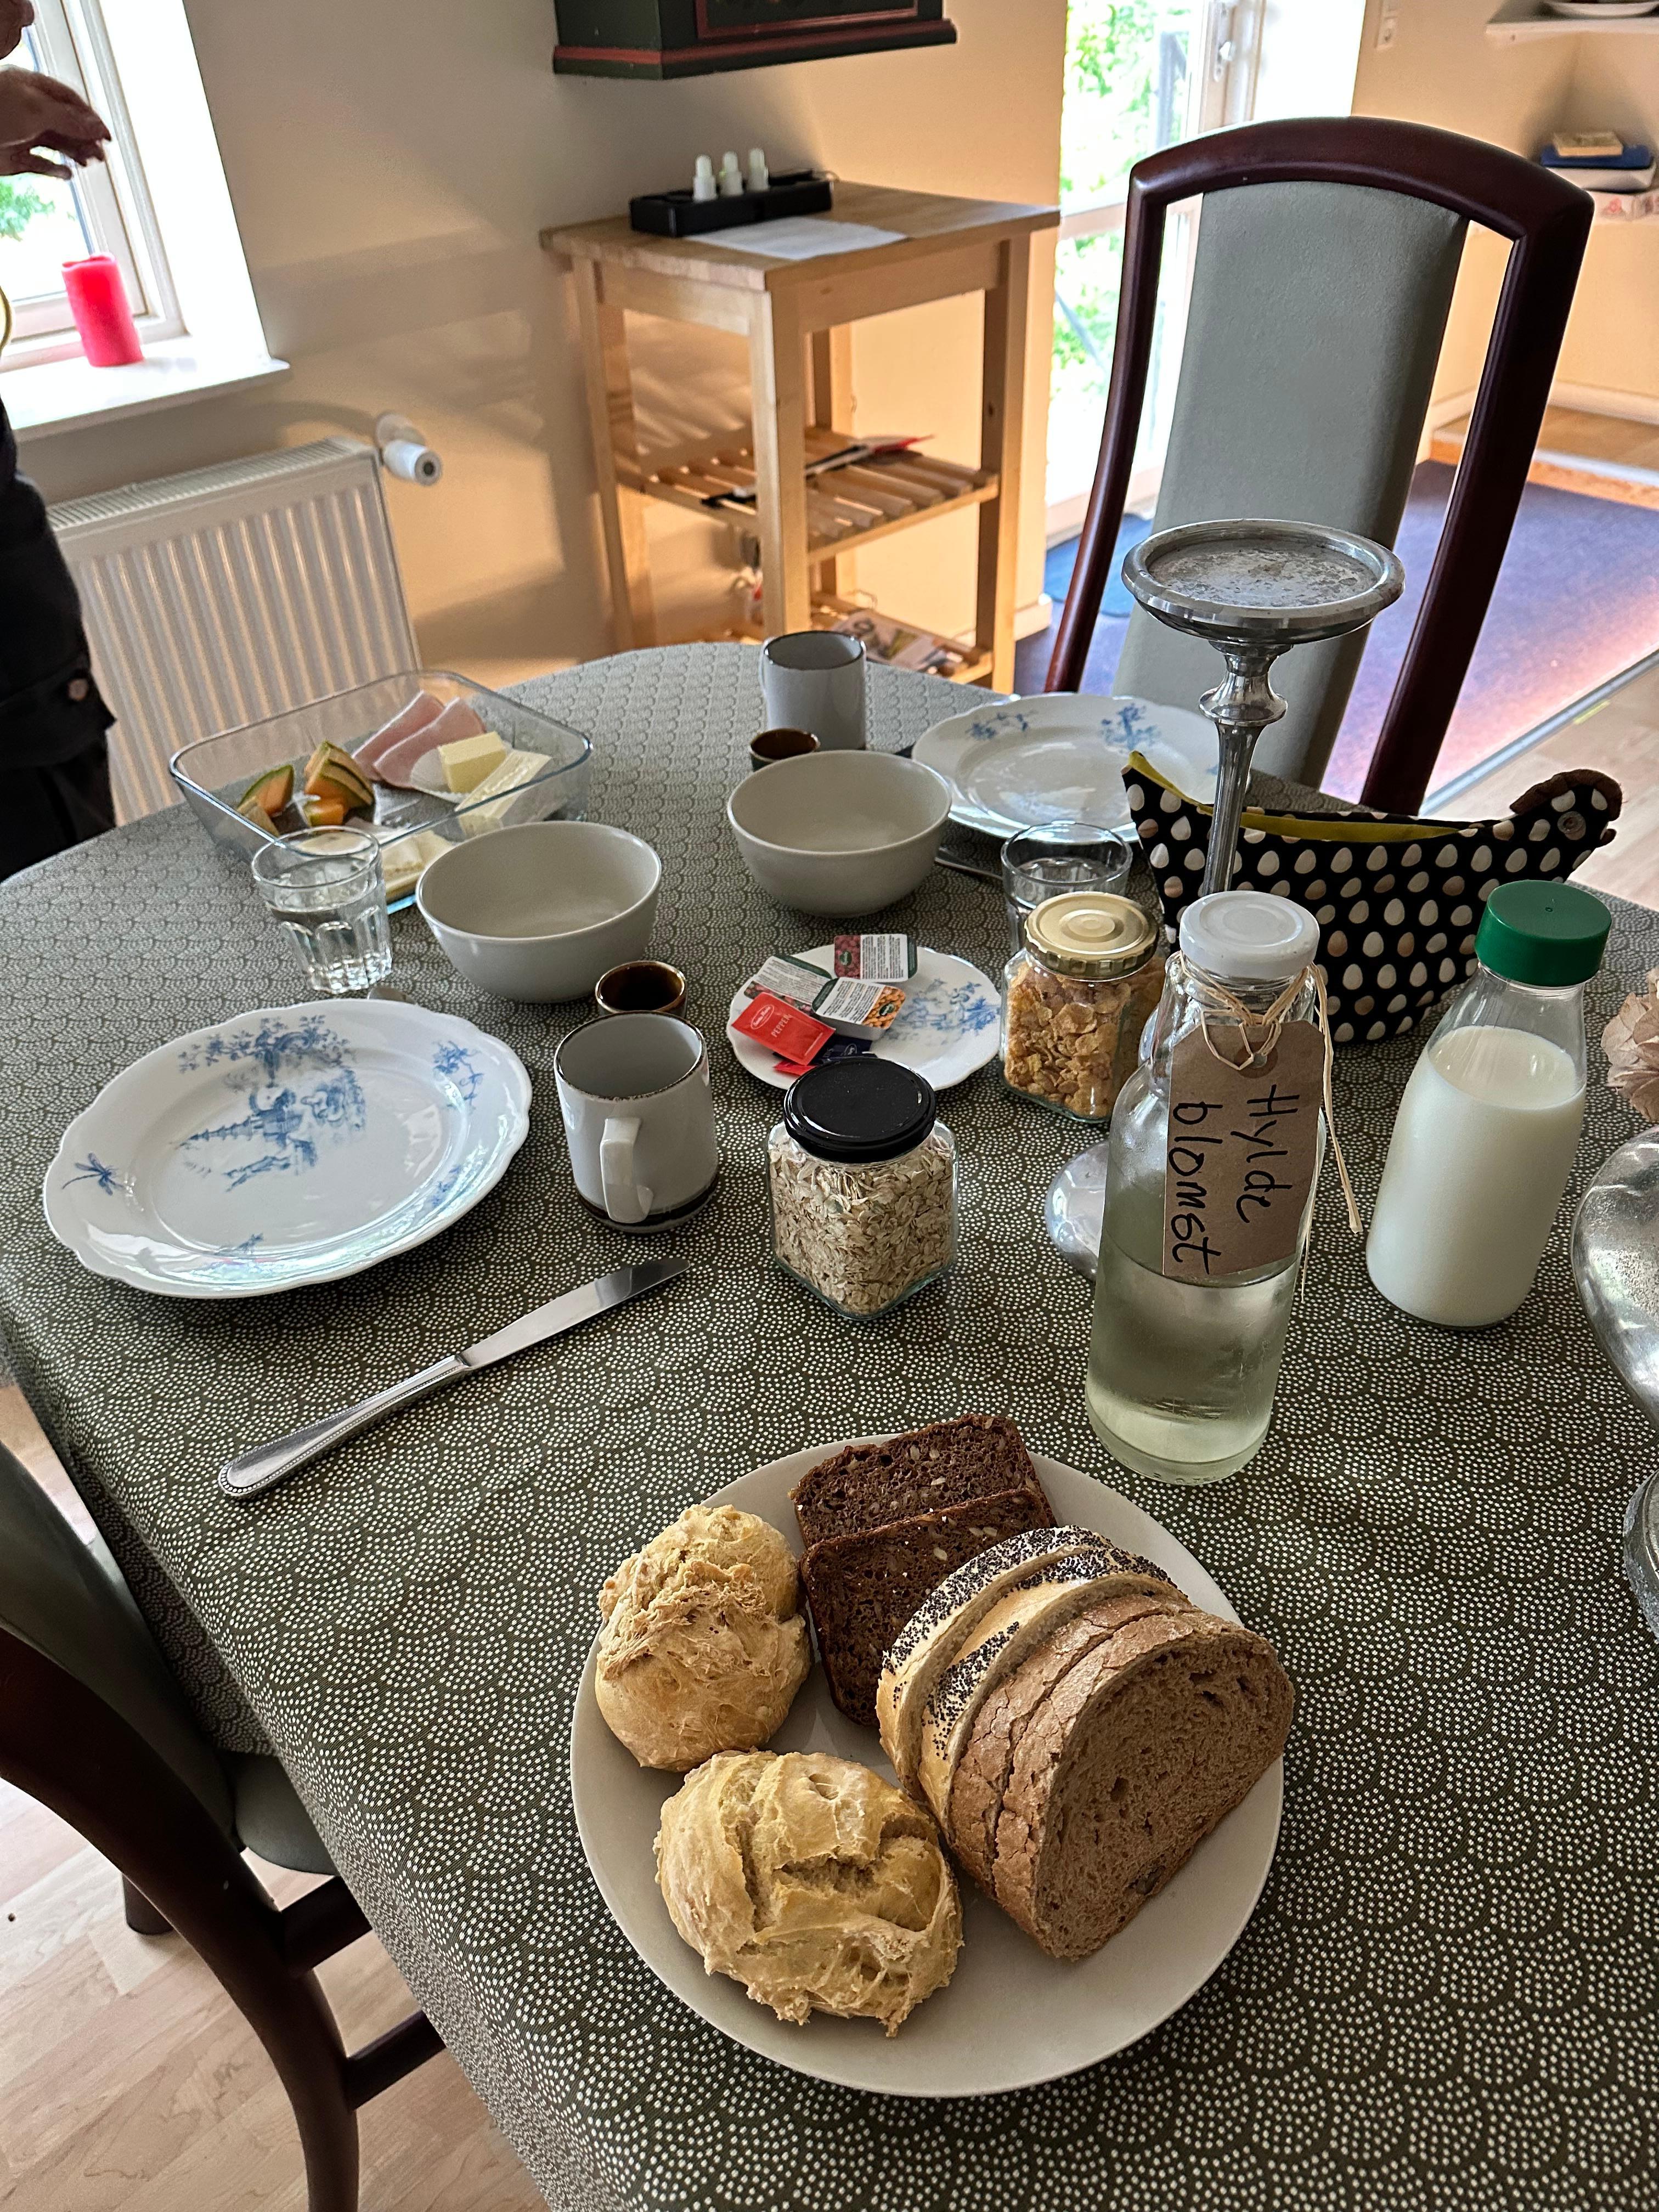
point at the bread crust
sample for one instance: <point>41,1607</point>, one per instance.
<point>1069,1884</point>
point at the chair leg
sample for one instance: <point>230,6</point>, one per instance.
<point>140,1915</point>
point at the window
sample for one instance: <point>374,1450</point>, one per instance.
<point>106,209</point>
<point>1139,75</point>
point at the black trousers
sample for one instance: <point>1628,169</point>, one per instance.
<point>42,809</point>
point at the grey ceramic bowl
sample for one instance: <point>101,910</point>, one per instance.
<point>839,833</point>
<point>538,913</point>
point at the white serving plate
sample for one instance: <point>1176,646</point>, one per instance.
<point>1011,2016</point>
<point>1594,11</point>
<point>290,1145</point>
<point>946,1029</point>
<point>1060,756</point>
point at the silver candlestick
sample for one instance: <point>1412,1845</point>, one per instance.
<point>1254,589</point>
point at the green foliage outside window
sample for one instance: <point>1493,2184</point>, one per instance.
<point>19,205</point>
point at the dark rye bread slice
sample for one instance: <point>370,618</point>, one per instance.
<point>870,1485</point>
<point>988,1758</point>
<point>862,1589</point>
<point>1132,1758</point>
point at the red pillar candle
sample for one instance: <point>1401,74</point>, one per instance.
<point>98,302</point>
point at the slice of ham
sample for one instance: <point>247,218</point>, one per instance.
<point>422,710</point>
<point>396,764</point>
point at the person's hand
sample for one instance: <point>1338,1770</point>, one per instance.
<point>39,112</point>
<point>15,16</point>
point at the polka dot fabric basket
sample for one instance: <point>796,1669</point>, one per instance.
<point>1397,899</point>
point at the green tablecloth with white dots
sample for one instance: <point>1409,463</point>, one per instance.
<point>1449,1995</point>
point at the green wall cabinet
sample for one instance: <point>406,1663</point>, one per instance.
<point>691,38</point>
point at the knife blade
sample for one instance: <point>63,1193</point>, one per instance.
<point>254,1472</point>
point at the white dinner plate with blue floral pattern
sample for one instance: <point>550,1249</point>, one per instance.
<point>1060,758</point>
<point>291,1145</point>
<point>946,1028</point>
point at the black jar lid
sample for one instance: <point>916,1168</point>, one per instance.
<point>860,1109</point>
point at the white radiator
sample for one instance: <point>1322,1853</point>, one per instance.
<point>219,597</point>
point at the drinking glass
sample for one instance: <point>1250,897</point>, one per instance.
<point>1058,857</point>
<point>327,889</point>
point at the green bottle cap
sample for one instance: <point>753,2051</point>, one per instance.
<point>1542,933</point>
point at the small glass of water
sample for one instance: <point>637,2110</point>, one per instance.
<point>1058,857</point>
<point>327,889</point>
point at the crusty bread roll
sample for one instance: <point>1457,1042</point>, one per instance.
<point>813,1882</point>
<point>704,1646</point>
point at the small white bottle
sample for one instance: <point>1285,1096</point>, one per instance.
<point>731,178</point>
<point>704,186</point>
<point>760,178</point>
<point>1488,1129</point>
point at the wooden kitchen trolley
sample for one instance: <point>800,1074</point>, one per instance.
<point>796,318</point>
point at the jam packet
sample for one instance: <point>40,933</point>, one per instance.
<point>853,1007</point>
<point>881,957</point>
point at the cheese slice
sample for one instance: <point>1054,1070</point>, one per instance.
<point>406,856</point>
<point>468,761</point>
<point>935,1633</point>
<point>1005,1637</point>
<point>492,800</point>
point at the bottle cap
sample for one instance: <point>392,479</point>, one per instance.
<point>1088,933</point>
<point>1249,936</point>
<point>859,1110</point>
<point>1548,934</point>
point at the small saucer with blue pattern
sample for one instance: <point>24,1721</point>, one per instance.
<point>291,1145</point>
<point>946,1029</point>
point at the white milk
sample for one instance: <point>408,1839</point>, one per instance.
<point>1480,1157</point>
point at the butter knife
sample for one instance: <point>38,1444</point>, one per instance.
<point>267,1465</point>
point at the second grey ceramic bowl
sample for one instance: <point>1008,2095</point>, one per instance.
<point>839,833</point>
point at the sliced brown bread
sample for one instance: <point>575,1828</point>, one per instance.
<point>862,1589</point>
<point>1022,1621</point>
<point>1133,1757</point>
<point>869,1486</point>
<point>982,1771</point>
<point>942,1623</point>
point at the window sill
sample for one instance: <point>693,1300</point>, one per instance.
<point>72,395</point>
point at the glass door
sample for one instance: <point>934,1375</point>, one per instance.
<point>1139,75</point>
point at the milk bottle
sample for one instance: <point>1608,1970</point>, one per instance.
<point>1488,1129</point>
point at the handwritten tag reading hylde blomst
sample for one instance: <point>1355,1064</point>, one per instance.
<point>1243,1151</point>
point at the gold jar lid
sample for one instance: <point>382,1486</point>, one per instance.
<point>1090,934</point>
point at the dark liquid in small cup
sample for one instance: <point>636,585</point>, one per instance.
<point>643,987</point>
<point>781,744</point>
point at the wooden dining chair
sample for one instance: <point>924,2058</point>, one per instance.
<point>1327,249</point>
<point>93,1724</point>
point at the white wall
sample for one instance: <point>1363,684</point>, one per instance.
<point>391,162</point>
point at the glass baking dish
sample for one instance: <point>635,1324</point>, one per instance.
<point>213,773</point>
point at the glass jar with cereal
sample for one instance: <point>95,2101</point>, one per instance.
<point>1075,1000</point>
<point>862,1175</point>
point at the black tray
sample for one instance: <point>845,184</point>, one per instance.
<point>677,215</point>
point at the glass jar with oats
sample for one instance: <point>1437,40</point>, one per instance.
<point>863,1180</point>
<point>1075,1000</point>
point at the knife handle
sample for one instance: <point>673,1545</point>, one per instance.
<point>267,1465</point>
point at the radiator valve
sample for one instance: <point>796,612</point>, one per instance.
<point>405,452</point>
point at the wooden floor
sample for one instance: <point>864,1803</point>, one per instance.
<point>1605,455</point>
<point>128,2080</point>
<point>1619,733</point>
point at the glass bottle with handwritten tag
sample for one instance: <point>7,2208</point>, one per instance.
<point>1215,1150</point>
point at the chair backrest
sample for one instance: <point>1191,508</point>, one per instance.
<point>66,1599</point>
<point>1327,251</point>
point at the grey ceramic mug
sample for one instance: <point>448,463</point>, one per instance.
<point>813,679</point>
